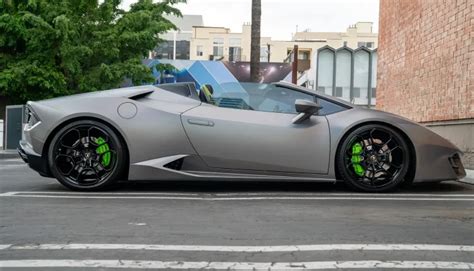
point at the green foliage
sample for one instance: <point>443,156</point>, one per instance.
<point>50,48</point>
<point>162,68</point>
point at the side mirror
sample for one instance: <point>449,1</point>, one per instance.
<point>305,109</point>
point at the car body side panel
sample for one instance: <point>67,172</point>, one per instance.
<point>154,131</point>
<point>431,150</point>
<point>253,140</point>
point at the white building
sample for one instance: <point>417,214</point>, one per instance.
<point>219,43</point>
<point>210,43</point>
<point>176,43</point>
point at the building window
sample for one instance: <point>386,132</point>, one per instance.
<point>303,55</point>
<point>365,44</point>
<point>343,74</point>
<point>218,47</point>
<point>235,54</point>
<point>325,71</point>
<point>199,51</point>
<point>361,76</point>
<point>218,42</point>
<point>345,43</point>
<point>263,54</point>
<point>165,50</point>
<point>218,51</point>
<point>374,77</point>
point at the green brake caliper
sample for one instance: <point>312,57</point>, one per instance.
<point>356,159</point>
<point>103,150</point>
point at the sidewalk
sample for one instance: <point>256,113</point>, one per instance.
<point>469,177</point>
<point>9,154</point>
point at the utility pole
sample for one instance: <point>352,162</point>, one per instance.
<point>294,70</point>
<point>174,45</point>
<point>268,52</point>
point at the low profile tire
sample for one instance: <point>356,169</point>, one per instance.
<point>86,155</point>
<point>373,158</point>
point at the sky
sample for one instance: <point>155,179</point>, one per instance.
<point>280,18</point>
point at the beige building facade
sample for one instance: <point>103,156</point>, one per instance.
<point>219,43</point>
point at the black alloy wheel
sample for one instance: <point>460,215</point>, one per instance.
<point>86,155</point>
<point>373,158</point>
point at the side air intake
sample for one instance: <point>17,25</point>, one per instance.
<point>175,165</point>
<point>140,95</point>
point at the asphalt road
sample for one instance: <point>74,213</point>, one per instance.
<point>221,225</point>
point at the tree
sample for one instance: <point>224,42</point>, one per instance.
<point>255,41</point>
<point>163,68</point>
<point>51,48</point>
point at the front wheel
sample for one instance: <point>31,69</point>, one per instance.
<point>86,155</point>
<point>373,158</point>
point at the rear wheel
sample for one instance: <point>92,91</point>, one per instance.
<point>86,155</point>
<point>373,158</point>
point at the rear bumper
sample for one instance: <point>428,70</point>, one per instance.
<point>34,160</point>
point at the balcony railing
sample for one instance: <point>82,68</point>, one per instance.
<point>235,58</point>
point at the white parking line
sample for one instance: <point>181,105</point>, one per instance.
<point>12,166</point>
<point>375,198</point>
<point>18,160</point>
<point>68,193</point>
<point>262,249</point>
<point>235,265</point>
<point>236,194</point>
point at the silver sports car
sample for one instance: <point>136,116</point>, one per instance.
<point>229,132</point>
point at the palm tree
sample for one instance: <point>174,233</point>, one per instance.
<point>255,41</point>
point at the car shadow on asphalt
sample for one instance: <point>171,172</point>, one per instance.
<point>273,186</point>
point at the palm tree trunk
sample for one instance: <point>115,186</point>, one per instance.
<point>255,41</point>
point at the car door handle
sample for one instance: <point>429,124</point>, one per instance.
<point>200,122</point>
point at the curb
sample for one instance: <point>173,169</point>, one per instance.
<point>469,179</point>
<point>10,154</point>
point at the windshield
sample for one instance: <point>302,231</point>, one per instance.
<point>259,97</point>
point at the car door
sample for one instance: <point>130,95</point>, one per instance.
<point>262,136</point>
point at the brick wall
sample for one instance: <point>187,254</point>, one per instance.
<point>425,65</point>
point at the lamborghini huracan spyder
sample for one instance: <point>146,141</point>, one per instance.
<point>235,131</point>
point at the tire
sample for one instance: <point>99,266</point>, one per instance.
<point>87,155</point>
<point>373,158</point>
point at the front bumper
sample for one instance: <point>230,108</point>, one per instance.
<point>457,166</point>
<point>34,160</point>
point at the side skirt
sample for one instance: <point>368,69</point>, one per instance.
<point>156,169</point>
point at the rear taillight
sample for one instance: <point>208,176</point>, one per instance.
<point>31,119</point>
